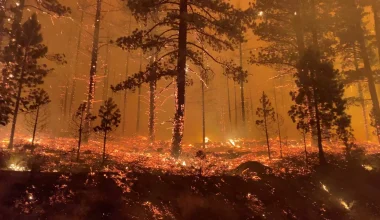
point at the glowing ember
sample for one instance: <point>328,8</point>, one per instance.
<point>232,142</point>
<point>16,167</point>
<point>345,205</point>
<point>367,167</point>
<point>324,187</point>
<point>207,140</point>
<point>30,196</point>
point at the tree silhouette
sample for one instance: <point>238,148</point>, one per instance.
<point>22,69</point>
<point>33,103</point>
<point>349,16</point>
<point>215,23</point>
<point>79,120</point>
<point>267,119</point>
<point>6,104</point>
<point>93,68</point>
<point>110,118</point>
<point>318,83</point>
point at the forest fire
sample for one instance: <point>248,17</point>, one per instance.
<point>189,109</point>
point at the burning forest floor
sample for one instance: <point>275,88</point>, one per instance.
<point>230,180</point>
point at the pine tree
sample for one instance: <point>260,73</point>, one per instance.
<point>217,23</point>
<point>79,119</point>
<point>320,84</point>
<point>22,69</point>
<point>93,68</point>
<point>46,6</point>
<point>36,99</point>
<point>290,26</point>
<point>349,16</point>
<point>110,117</point>
<point>6,104</point>
<point>267,119</point>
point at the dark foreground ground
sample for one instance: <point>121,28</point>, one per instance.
<point>347,191</point>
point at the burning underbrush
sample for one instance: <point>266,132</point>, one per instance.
<point>226,180</point>
<point>59,155</point>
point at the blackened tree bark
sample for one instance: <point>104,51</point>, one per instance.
<point>181,81</point>
<point>93,69</point>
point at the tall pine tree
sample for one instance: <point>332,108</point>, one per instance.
<point>217,23</point>
<point>22,69</point>
<point>317,82</point>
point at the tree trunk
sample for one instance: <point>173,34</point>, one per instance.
<point>304,143</point>
<point>321,154</point>
<point>35,126</point>
<point>375,9</point>
<point>18,99</point>
<point>152,104</point>
<point>370,80</point>
<point>266,125</point>
<point>242,87</point>
<point>124,118</point>
<point>278,121</point>
<point>106,71</point>
<point>80,134</point>
<point>236,108</point>
<point>93,68</point>
<point>229,103</point>
<point>65,101</point>
<point>125,99</point>
<point>367,66</point>
<point>252,108</point>
<point>139,102</point>
<point>73,88</point>
<point>104,147</point>
<point>361,96</point>
<point>181,81</point>
<point>203,116</point>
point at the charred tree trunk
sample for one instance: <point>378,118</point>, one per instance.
<point>73,88</point>
<point>139,102</point>
<point>369,76</point>
<point>236,108</point>
<point>304,143</point>
<point>375,9</point>
<point>152,104</point>
<point>229,103</point>
<point>93,69</point>
<point>66,96</point>
<point>80,133</point>
<point>124,120</point>
<point>321,154</point>
<point>106,73</point>
<point>104,147</point>
<point>242,87</point>
<point>18,99</point>
<point>278,121</point>
<point>203,116</point>
<point>35,126</point>
<point>361,96</point>
<point>181,81</point>
<point>266,125</point>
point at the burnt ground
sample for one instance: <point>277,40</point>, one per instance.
<point>340,191</point>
